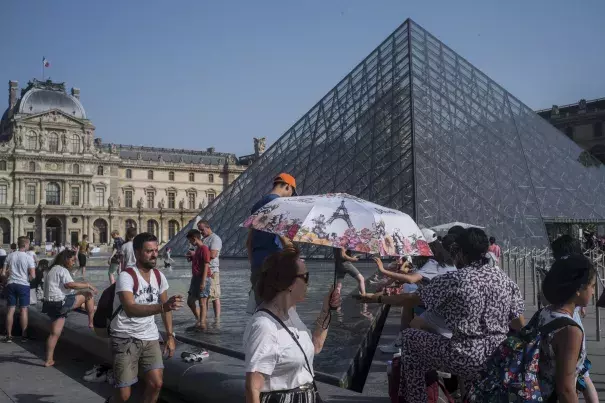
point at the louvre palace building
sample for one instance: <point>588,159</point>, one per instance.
<point>58,181</point>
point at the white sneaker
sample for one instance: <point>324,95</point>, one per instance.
<point>393,347</point>
<point>96,377</point>
<point>93,369</point>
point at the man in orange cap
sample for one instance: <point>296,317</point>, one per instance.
<point>261,244</point>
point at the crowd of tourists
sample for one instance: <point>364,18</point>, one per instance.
<point>459,312</point>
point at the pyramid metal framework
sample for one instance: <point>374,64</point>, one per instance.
<point>417,128</point>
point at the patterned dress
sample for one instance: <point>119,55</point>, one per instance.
<point>477,303</point>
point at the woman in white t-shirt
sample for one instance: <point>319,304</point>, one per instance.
<point>62,295</point>
<point>278,346</point>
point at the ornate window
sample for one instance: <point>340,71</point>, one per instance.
<point>32,166</point>
<point>191,177</point>
<point>3,194</point>
<point>53,142</point>
<point>100,193</point>
<point>75,196</point>
<point>173,228</point>
<point>53,194</point>
<point>191,201</point>
<point>30,195</point>
<point>171,199</point>
<point>32,141</point>
<point>150,199</point>
<point>76,169</point>
<point>211,178</point>
<point>100,170</point>
<point>128,198</point>
<point>75,143</point>
<point>2,165</point>
<point>211,197</point>
<point>129,173</point>
<point>170,176</point>
<point>150,175</point>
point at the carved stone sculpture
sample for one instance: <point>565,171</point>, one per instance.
<point>19,136</point>
<point>119,202</point>
<point>182,204</point>
<point>110,201</point>
<point>114,149</point>
<point>140,203</point>
<point>42,141</point>
<point>259,146</point>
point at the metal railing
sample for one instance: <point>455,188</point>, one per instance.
<point>527,267</point>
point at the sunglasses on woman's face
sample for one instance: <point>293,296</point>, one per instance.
<point>305,277</point>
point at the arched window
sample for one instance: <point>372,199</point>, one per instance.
<point>150,175</point>
<point>53,142</point>
<point>191,177</point>
<point>170,176</point>
<point>76,169</point>
<point>99,234</point>
<point>100,170</point>
<point>129,173</point>
<point>75,143</point>
<point>152,227</point>
<point>173,228</point>
<point>211,178</point>
<point>32,166</point>
<point>131,224</point>
<point>32,141</point>
<point>53,194</point>
<point>2,165</point>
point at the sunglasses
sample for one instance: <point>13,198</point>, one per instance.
<point>305,277</point>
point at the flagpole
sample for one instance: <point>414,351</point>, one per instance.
<point>42,68</point>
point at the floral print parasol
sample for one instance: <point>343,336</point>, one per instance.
<point>341,220</point>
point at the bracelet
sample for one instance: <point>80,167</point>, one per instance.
<point>321,320</point>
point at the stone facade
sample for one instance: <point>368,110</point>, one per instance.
<point>583,122</point>
<point>58,182</point>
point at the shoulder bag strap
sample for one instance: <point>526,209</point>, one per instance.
<point>135,279</point>
<point>558,323</point>
<point>293,338</point>
<point>158,278</point>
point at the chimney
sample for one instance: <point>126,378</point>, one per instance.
<point>13,87</point>
<point>75,92</point>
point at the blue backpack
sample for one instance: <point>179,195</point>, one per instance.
<point>513,371</point>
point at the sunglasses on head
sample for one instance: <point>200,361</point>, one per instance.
<point>305,277</point>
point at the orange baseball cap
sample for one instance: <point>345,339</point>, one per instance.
<point>288,180</point>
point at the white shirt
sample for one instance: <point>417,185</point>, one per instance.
<point>270,350</point>
<point>432,269</point>
<point>213,242</point>
<point>19,264</point>
<point>2,252</point>
<point>54,284</point>
<point>147,294</point>
<point>128,254</point>
<point>32,254</point>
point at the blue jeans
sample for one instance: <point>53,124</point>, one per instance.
<point>194,287</point>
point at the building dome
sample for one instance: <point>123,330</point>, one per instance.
<point>38,100</point>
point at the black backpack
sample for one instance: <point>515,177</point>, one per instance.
<point>105,313</point>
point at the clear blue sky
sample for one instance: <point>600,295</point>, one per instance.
<point>195,74</point>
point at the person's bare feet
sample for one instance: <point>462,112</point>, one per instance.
<point>91,325</point>
<point>49,363</point>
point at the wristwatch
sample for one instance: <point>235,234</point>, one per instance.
<point>173,335</point>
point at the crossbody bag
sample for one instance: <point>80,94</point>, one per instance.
<point>308,367</point>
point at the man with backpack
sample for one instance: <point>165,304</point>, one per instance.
<point>141,293</point>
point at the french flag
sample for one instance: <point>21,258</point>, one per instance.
<point>45,62</point>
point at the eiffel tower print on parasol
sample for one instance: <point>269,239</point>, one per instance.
<point>341,220</point>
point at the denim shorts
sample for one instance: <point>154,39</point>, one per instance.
<point>194,287</point>
<point>17,293</point>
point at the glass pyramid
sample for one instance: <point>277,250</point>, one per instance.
<point>417,128</point>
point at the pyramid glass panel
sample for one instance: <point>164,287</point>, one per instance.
<point>417,128</point>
